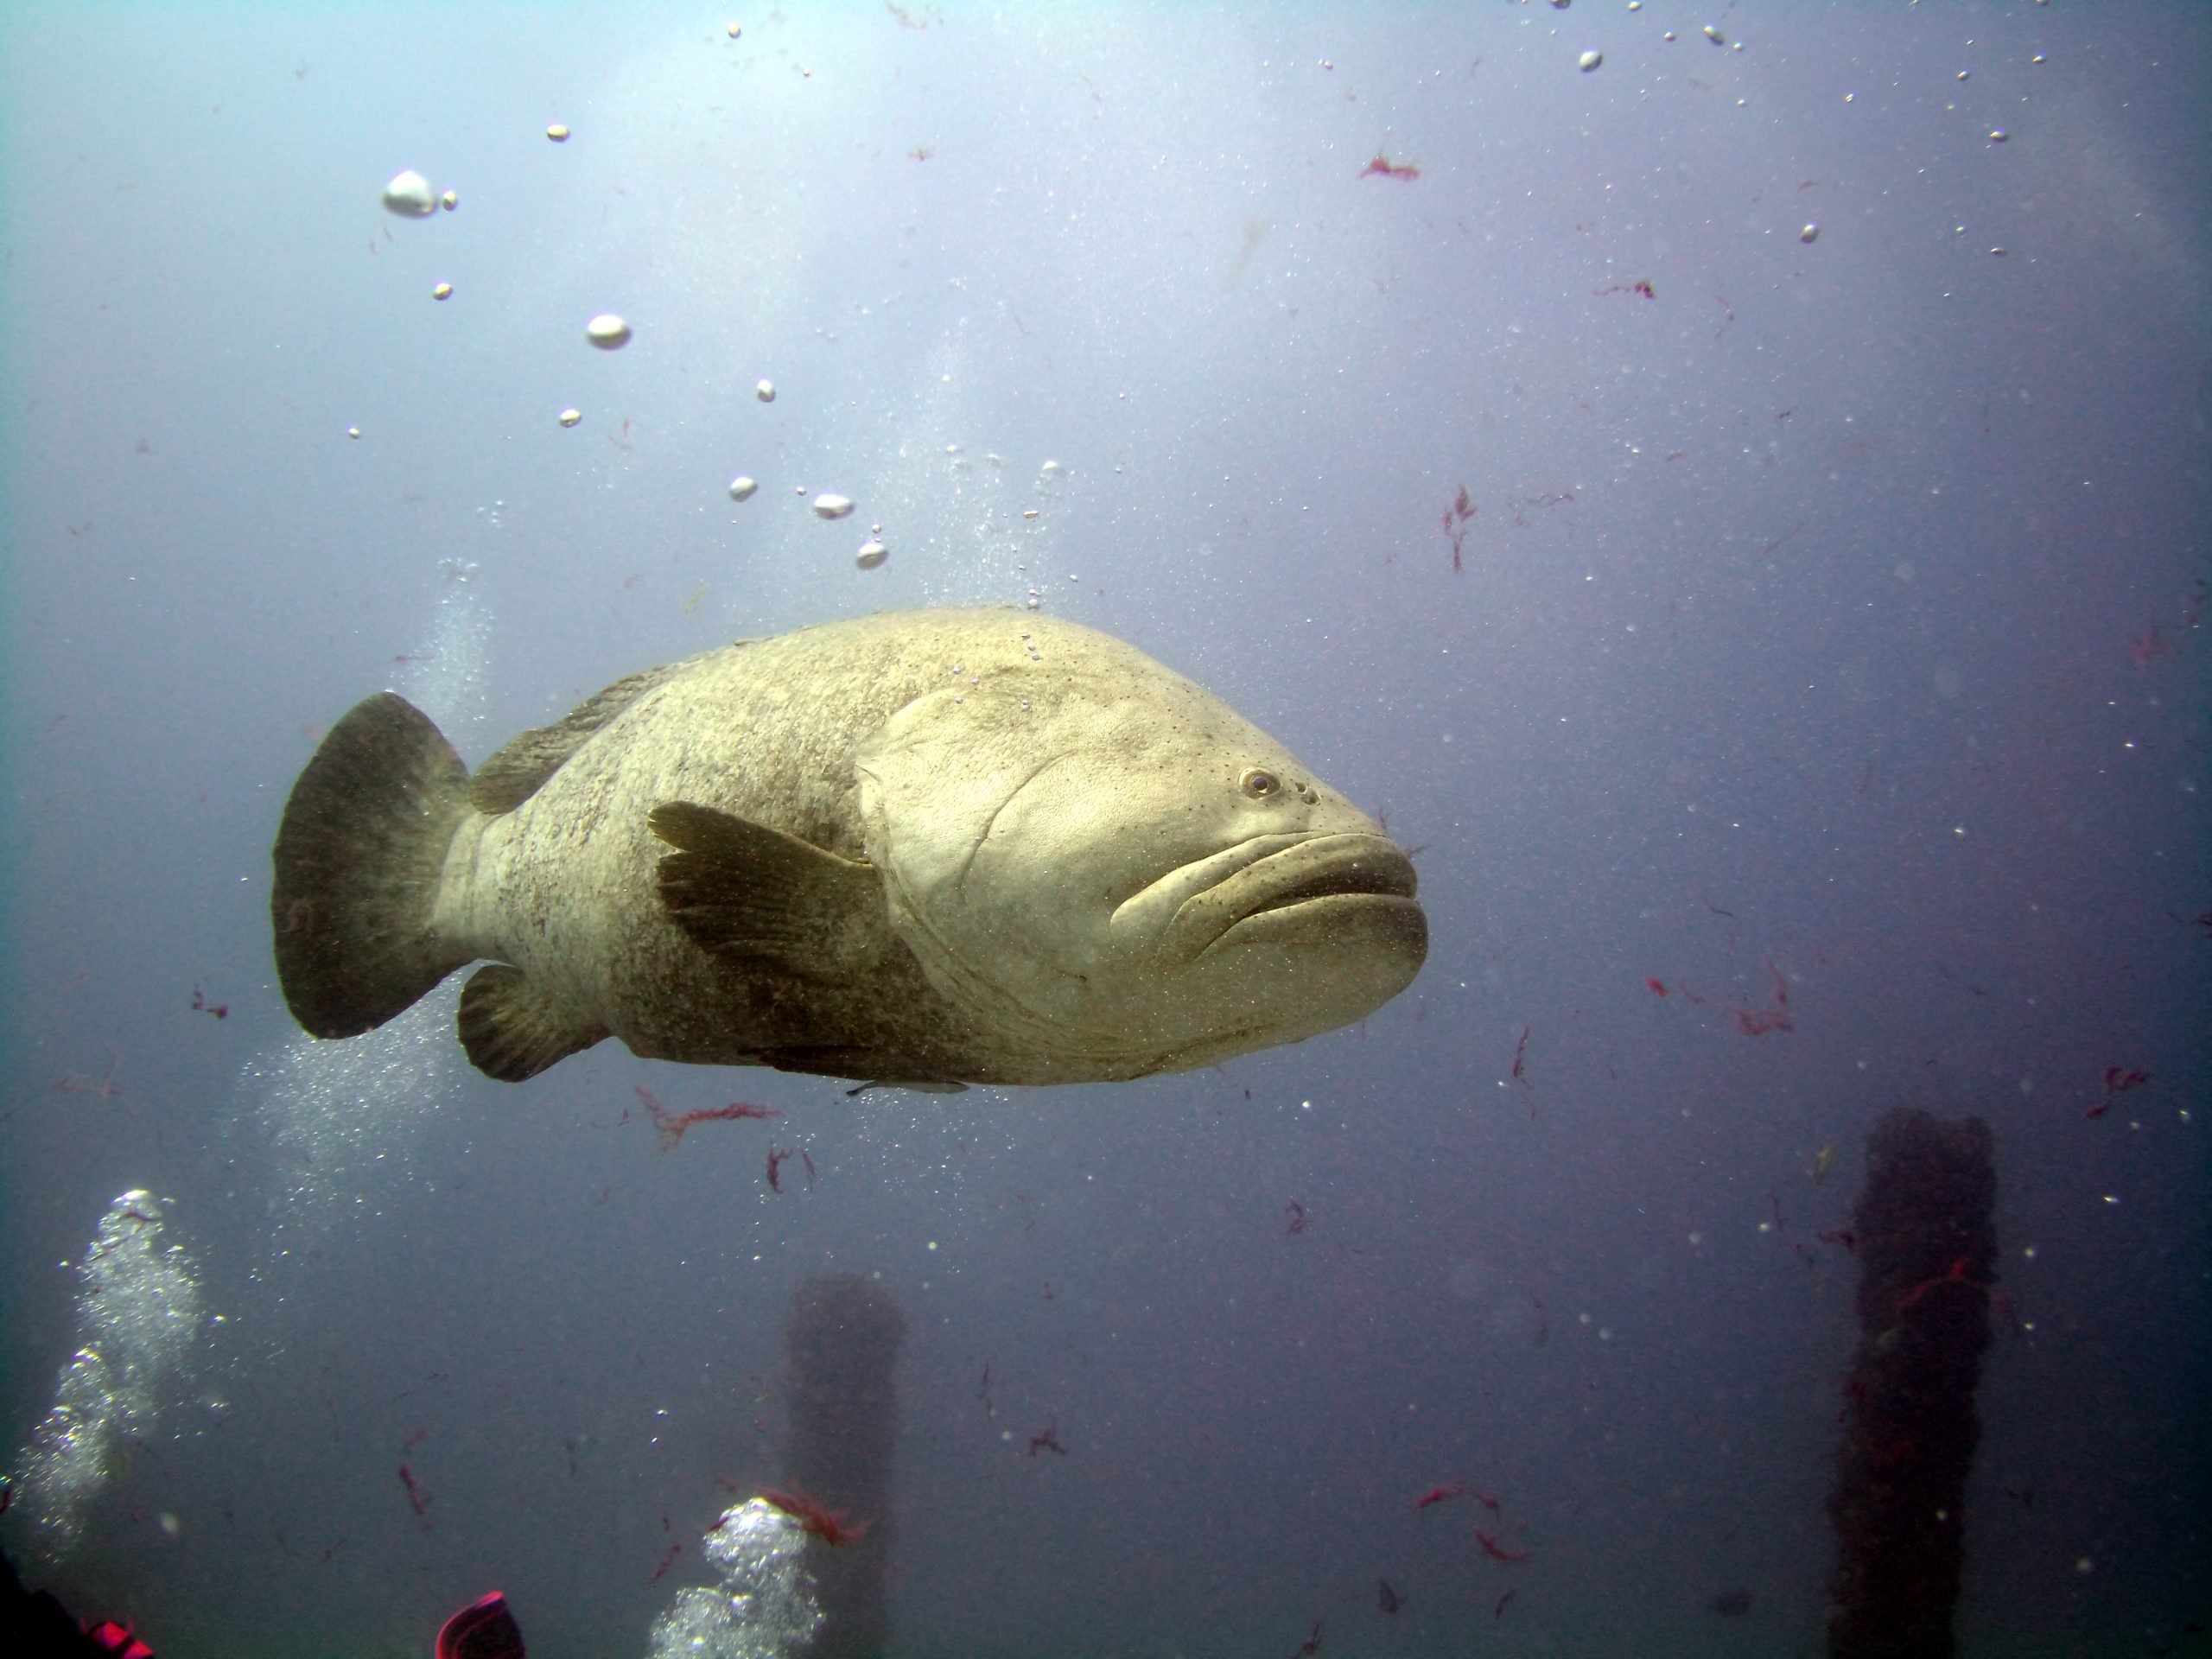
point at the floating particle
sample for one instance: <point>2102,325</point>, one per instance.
<point>1050,467</point>
<point>1668,35</point>
<point>450,200</point>
<point>832,507</point>
<point>442,291</point>
<point>1966,75</point>
<point>736,29</point>
<point>571,417</point>
<point>352,431</point>
<point>1590,60</point>
<point>409,195</point>
<point>1810,233</point>
<point>741,487</point>
<point>1029,512</point>
<point>871,555</point>
<point>764,390</point>
<point>1997,135</point>
<point>608,332</point>
<point>1997,252</point>
<point>1561,5</point>
<point>557,133</point>
<point>1714,35</point>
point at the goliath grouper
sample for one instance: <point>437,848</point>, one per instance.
<point>930,847</point>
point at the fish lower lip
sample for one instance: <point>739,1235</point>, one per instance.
<point>1327,866</point>
<point>1328,885</point>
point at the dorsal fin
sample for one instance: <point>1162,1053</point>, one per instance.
<point>518,770</point>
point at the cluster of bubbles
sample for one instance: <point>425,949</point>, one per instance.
<point>830,507</point>
<point>765,1606</point>
<point>448,677</point>
<point>343,1117</point>
<point>336,1113</point>
<point>411,196</point>
<point>1012,533</point>
<point>138,1311</point>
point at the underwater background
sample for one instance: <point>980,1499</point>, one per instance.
<point>1739,508</point>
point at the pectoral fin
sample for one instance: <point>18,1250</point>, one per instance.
<point>511,1031</point>
<point>756,896</point>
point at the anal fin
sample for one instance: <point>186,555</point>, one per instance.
<point>513,1031</point>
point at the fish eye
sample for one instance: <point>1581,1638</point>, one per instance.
<point>1259,784</point>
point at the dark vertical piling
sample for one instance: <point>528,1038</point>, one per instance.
<point>841,1338</point>
<point>1927,1246</point>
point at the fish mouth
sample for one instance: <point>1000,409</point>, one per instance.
<point>1360,882</point>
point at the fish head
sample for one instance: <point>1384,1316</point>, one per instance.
<point>1118,870</point>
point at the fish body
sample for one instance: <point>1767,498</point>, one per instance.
<point>938,846</point>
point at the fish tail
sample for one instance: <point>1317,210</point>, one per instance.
<point>358,859</point>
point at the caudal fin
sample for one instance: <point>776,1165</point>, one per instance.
<point>359,857</point>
